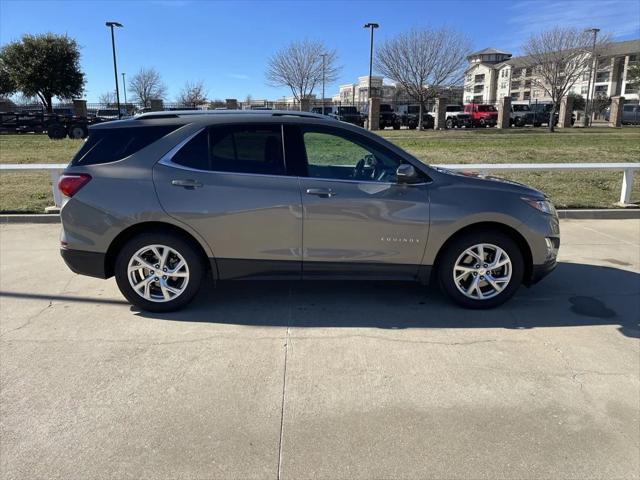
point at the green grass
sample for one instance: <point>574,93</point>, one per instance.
<point>31,192</point>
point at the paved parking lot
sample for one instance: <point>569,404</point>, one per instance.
<point>356,380</point>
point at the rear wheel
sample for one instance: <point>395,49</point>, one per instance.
<point>448,123</point>
<point>56,131</point>
<point>159,272</point>
<point>481,270</point>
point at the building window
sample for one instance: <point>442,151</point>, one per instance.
<point>515,85</point>
<point>503,85</point>
<point>633,58</point>
<point>602,77</point>
<point>479,78</point>
<point>517,72</point>
<point>468,77</point>
<point>526,72</point>
<point>515,96</point>
<point>602,89</point>
<point>584,90</point>
<point>527,84</point>
<point>585,77</point>
<point>478,89</point>
<point>527,95</point>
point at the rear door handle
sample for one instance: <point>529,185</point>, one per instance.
<point>189,183</point>
<point>321,192</point>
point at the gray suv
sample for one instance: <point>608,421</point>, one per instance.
<point>164,199</point>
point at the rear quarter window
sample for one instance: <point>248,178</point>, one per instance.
<point>112,144</point>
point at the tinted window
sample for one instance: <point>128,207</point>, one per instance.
<point>454,108</point>
<point>247,149</point>
<point>332,155</point>
<point>628,108</point>
<point>195,153</point>
<point>111,144</point>
<point>242,149</point>
<point>521,108</point>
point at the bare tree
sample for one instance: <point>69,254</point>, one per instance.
<point>299,67</point>
<point>193,93</point>
<point>424,62</point>
<point>559,57</point>
<point>147,85</point>
<point>107,98</point>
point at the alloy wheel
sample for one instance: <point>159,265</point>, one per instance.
<point>158,273</point>
<point>482,271</point>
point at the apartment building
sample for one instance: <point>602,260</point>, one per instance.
<point>358,92</point>
<point>493,74</point>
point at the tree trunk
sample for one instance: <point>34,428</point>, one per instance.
<point>420,110</point>
<point>552,118</point>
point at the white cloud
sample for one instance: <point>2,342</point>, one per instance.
<point>618,18</point>
<point>239,76</point>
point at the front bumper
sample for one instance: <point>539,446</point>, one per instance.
<point>81,262</point>
<point>538,272</point>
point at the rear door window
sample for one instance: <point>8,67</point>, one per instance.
<point>111,144</point>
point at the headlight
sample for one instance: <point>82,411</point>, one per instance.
<point>542,205</point>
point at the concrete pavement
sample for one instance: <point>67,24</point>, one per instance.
<point>334,380</point>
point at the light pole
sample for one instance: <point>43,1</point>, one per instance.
<point>124,90</point>
<point>115,67</point>
<point>587,109</point>
<point>371,26</point>
<point>324,57</point>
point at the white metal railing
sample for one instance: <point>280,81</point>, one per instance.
<point>627,169</point>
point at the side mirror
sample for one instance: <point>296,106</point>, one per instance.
<point>406,174</point>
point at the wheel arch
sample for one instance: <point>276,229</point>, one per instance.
<point>511,232</point>
<point>151,226</point>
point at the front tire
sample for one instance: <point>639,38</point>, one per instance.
<point>159,272</point>
<point>481,270</point>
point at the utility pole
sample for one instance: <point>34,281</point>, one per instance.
<point>371,26</point>
<point>115,66</point>
<point>124,90</point>
<point>588,105</point>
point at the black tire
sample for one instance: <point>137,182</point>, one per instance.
<point>78,131</point>
<point>448,123</point>
<point>519,122</point>
<point>184,247</point>
<point>396,126</point>
<point>447,261</point>
<point>56,131</point>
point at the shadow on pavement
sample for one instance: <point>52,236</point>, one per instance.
<point>573,295</point>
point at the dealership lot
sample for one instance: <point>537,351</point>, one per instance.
<point>322,380</point>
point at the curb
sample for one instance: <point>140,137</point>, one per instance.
<point>574,214</point>
<point>30,218</point>
<point>600,214</point>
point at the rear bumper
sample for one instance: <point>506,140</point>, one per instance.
<point>91,264</point>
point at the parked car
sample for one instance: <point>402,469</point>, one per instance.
<point>388,117</point>
<point>482,115</point>
<point>455,116</point>
<point>342,113</point>
<point>111,113</point>
<point>521,115</point>
<point>163,200</point>
<point>630,114</point>
<point>410,118</point>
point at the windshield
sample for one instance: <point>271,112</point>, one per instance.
<point>454,108</point>
<point>521,108</point>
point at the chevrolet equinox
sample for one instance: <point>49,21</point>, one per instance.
<point>163,199</point>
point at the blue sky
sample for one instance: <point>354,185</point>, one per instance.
<point>226,44</point>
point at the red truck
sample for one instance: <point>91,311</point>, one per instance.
<point>482,115</point>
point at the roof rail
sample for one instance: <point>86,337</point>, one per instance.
<point>186,113</point>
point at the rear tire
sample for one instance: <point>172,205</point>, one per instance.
<point>56,131</point>
<point>457,270</point>
<point>165,293</point>
<point>448,123</point>
<point>78,131</point>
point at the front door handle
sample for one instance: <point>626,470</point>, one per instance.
<point>189,183</point>
<point>321,192</point>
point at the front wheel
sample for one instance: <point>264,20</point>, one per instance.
<point>159,272</point>
<point>481,270</point>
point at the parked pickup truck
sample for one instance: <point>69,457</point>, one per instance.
<point>455,117</point>
<point>482,115</point>
<point>522,115</point>
<point>388,118</point>
<point>345,114</point>
<point>409,119</point>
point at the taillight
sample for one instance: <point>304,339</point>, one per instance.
<point>71,183</point>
